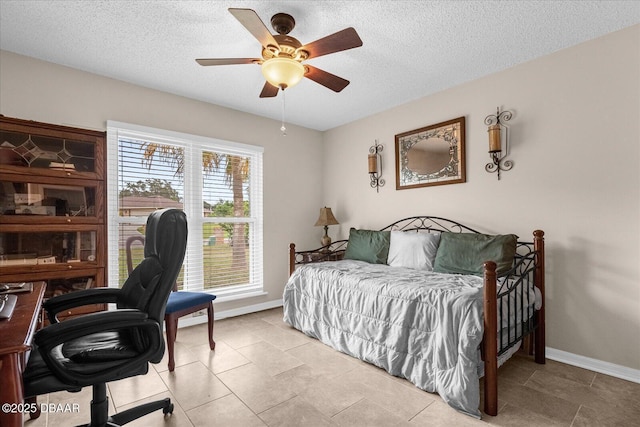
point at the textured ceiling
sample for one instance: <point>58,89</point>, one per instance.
<point>411,48</point>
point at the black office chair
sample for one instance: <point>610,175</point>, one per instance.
<point>111,345</point>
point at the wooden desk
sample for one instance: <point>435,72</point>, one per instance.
<point>15,343</point>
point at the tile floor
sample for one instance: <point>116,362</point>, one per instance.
<point>264,373</point>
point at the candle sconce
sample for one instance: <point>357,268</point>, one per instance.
<point>375,166</point>
<point>496,130</point>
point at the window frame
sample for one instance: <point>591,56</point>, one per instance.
<point>193,146</point>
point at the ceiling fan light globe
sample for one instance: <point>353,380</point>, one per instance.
<point>282,72</point>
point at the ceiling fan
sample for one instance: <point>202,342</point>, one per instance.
<point>283,55</point>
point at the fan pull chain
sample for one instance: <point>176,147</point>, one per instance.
<point>283,128</point>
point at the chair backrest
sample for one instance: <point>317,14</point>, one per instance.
<point>129,254</point>
<point>150,283</point>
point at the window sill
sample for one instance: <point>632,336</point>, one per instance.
<point>233,296</point>
<point>236,292</point>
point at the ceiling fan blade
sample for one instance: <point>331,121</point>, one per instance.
<point>226,61</point>
<point>326,79</point>
<point>268,91</point>
<point>336,42</point>
<point>252,22</point>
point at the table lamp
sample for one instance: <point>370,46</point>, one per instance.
<point>326,219</point>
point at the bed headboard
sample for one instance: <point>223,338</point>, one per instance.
<point>430,224</point>
<point>336,250</point>
<point>434,224</point>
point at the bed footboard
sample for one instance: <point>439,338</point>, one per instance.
<point>505,297</point>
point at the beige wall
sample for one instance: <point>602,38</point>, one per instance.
<point>575,142</point>
<point>36,90</point>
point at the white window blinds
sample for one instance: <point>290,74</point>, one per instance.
<point>217,183</point>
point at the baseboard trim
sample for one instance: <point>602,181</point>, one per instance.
<point>249,309</point>
<point>595,365</point>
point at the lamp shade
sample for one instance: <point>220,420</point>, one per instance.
<point>326,217</point>
<point>282,72</point>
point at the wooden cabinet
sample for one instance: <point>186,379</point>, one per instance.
<point>52,206</point>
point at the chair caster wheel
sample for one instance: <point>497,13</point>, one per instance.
<point>168,409</point>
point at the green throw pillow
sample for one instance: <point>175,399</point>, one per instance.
<point>465,253</point>
<point>368,245</point>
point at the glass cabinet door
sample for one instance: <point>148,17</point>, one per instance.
<point>48,249</point>
<point>49,200</point>
<point>45,152</point>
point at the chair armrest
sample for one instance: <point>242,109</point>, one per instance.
<point>55,305</point>
<point>50,337</point>
<point>101,321</point>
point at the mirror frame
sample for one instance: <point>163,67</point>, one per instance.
<point>453,132</point>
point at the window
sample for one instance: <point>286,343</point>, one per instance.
<point>217,183</point>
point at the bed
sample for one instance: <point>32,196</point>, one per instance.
<point>443,306</point>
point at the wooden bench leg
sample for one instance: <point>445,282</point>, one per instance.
<point>171,325</point>
<point>212,343</point>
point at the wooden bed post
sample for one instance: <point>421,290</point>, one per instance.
<point>490,340</point>
<point>539,334</point>
<point>292,258</point>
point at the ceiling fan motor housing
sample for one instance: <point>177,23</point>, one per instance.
<point>289,47</point>
<point>283,23</point>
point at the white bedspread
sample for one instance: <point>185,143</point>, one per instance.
<point>418,325</point>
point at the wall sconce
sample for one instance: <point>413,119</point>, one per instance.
<point>496,128</point>
<point>375,166</point>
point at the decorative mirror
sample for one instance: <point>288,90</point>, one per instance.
<point>433,155</point>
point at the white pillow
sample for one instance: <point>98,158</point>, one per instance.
<point>413,250</point>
